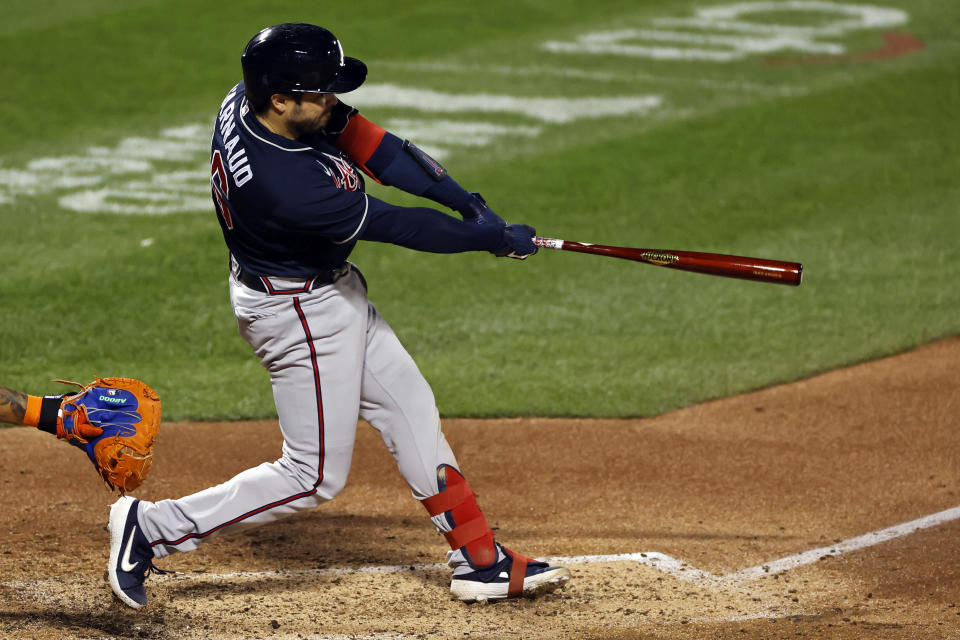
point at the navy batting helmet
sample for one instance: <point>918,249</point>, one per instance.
<point>297,58</point>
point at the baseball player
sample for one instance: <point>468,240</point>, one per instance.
<point>291,204</point>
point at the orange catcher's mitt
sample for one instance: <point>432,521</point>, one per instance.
<point>115,420</point>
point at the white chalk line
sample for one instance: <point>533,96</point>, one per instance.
<point>660,561</point>
<point>588,74</point>
<point>843,547</point>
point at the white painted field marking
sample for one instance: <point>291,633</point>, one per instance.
<point>139,176</point>
<point>470,134</point>
<point>437,136</point>
<point>846,546</point>
<point>591,74</point>
<point>660,561</point>
<point>732,39</point>
<point>48,589</point>
<point>170,173</point>
<point>555,110</point>
<point>132,201</point>
<point>613,43</point>
<point>859,16</point>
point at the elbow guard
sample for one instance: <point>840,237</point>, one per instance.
<point>433,168</point>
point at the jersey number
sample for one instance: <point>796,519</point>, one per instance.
<point>221,189</point>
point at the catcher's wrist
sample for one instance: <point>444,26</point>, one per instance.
<point>42,412</point>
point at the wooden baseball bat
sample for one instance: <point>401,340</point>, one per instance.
<point>714,264</point>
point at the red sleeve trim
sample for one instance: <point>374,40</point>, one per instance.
<point>360,139</point>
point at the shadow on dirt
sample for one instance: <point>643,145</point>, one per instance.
<point>109,622</point>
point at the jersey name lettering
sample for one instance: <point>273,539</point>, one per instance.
<point>237,162</point>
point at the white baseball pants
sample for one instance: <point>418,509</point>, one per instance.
<point>331,358</point>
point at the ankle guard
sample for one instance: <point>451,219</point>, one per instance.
<point>458,503</point>
<point>518,573</point>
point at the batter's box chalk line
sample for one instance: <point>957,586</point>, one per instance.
<point>660,561</point>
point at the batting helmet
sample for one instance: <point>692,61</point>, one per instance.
<point>297,58</point>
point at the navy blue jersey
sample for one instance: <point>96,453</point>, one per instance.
<point>287,208</point>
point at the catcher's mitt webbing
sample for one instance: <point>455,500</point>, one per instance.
<point>42,412</point>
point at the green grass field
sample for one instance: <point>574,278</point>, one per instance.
<point>847,165</point>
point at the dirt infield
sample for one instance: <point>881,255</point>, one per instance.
<point>690,525</point>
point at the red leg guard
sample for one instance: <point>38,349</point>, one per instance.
<point>470,529</point>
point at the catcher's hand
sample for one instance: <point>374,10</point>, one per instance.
<point>115,420</point>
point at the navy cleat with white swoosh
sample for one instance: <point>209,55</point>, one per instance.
<point>512,576</point>
<point>131,556</point>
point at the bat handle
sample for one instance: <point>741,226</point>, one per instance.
<point>548,243</point>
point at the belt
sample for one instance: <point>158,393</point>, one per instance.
<point>276,284</point>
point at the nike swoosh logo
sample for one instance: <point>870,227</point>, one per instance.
<point>125,564</point>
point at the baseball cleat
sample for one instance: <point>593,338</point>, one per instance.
<point>510,577</point>
<point>130,554</point>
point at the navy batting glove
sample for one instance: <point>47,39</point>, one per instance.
<point>517,242</point>
<point>478,212</point>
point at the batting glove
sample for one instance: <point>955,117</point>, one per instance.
<point>517,242</point>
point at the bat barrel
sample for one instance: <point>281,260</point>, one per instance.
<point>742,267</point>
